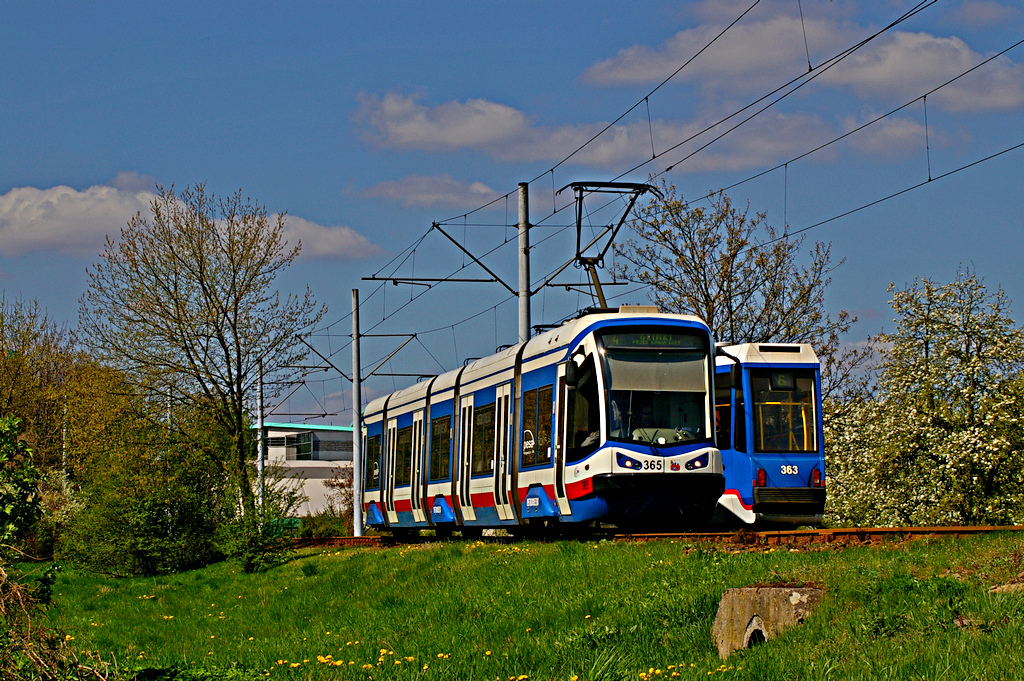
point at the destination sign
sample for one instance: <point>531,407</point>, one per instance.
<point>652,341</point>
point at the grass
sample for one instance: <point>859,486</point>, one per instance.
<point>561,610</point>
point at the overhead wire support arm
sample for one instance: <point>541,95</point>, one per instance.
<point>384,361</point>
<point>329,362</point>
<point>475,259</point>
<point>428,281</point>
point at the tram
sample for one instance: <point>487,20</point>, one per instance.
<point>768,415</point>
<point>606,419</point>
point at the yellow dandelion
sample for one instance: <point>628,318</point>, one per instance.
<point>250,638</point>
<point>212,636</point>
<point>210,653</point>
<point>68,637</point>
<point>293,665</point>
<point>587,617</point>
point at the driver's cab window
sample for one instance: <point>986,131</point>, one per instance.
<point>583,420</point>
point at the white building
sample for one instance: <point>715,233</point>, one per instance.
<point>310,452</point>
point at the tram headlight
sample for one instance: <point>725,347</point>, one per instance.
<point>698,463</point>
<point>626,462</point>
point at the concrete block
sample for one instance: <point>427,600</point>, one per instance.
<point>754,615</point>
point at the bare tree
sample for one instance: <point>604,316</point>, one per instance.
<point>184,303</point>
<point>736,272</point>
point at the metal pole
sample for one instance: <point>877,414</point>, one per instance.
<point>261,442</point>
<point>357,424</point>
<point>524,262</point>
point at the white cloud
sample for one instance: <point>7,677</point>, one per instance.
<point>65,220</point>
<point>427,191</point>
<point>766,139</point>
<point>762,52</point>
<point>891,138</point>
<point>400,122</point>
<point>328,242</point>
<point>904,65</point>
<point>756,54</point>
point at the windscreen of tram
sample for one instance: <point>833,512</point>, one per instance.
<point>657,387</point>
<point>784,414</point>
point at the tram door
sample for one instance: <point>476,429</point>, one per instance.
<point>416,489</point>
<point>502,459</point>
<point>465,457</point>
<point>560,442</point>
<point>388,483</point>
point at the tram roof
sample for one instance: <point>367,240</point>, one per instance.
<point>769,353</point>
<point>544,343</point>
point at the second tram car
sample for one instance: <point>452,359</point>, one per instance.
<point>605,419</point>
<point>768,417</point>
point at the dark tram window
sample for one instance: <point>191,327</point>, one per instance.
<point>544,416</point>
<point>440,444</point>
<point>403,456</point>
<point>584,416</point>
<point>740,417</point>
<point>372,462</point>
<point>537,426</point>
<point>483,440</point>
<point>723,410</point>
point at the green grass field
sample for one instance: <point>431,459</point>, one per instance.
<point>561,610</point>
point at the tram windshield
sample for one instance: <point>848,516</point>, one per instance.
<point>784,414</point>
<point>657,387</point>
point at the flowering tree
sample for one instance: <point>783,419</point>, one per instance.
<point>941,441</point>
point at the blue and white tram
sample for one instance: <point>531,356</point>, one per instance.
<point>606,419</point>
<point>768,417</point>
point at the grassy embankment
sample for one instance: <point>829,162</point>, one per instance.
<point>562,610</point>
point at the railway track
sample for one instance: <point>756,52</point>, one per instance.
<point>835,537</point>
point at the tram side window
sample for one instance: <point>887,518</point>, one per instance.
<point>403,456</point>
<point>584,415</point>
<point>440,446</point>
<point>373,462</point>
<point>544,416</point>
<point>723,410</point>
<point>483,440</point>
<point>537,426</point>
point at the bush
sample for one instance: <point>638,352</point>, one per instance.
<point>148,510</point>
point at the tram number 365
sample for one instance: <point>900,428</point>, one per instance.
<point>652,465</point>
<point>790,470</point>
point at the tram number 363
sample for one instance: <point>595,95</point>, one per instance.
<point>790,470</point>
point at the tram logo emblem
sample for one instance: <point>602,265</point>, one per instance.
<point>675,466</point>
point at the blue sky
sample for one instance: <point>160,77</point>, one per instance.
<point>366,122</point>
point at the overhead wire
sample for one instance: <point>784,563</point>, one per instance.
<point>813,72</point>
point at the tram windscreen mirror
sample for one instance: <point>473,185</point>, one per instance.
<point>782,381</point>
<point>571,379</point>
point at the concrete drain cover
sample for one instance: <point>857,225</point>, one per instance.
<point>747,617</point>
